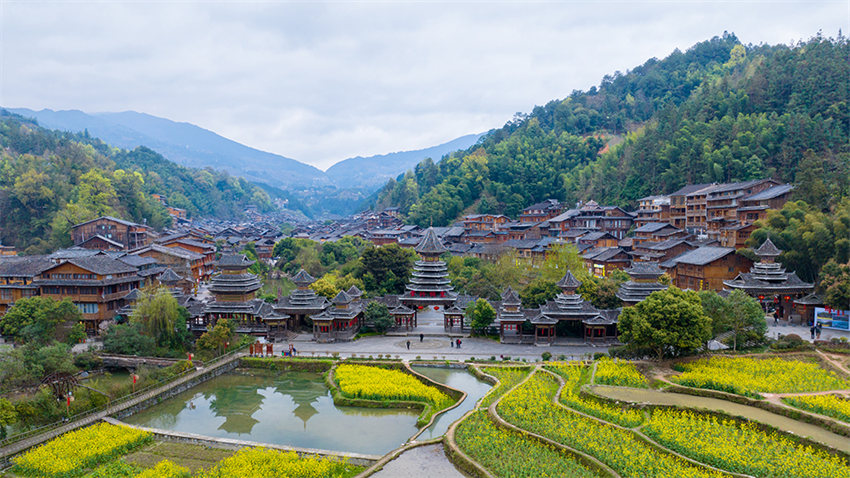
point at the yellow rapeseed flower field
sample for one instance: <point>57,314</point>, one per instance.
<point>530,407</point>
<point>375,383</point>
<point>262,462</point>
<point>165,469</point>
<point>575,377</point>
<point>749,376</point>
<point>619,373</point>
<point>830,405</point>
<point>740,447</point>
<point>72,452</point>
<point>509,454</point>
<point>508,377</point>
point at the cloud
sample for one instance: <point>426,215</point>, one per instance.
<point>320,82</point>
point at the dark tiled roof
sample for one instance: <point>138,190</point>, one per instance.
<point>137,261</point>
<point>169,276</point>
<point>430,243</point>
<point>703,255</point>
<point>302,277</point>
<point>353,291</point>
<point>569,281</point>
<point>510,297</point>
<point>767,249</point>
<point>24,266</point>
<point>102,265</point>
<point>770,193</point>
<point>341,298</point>
<point>653,227</point>
<point>234,260</point>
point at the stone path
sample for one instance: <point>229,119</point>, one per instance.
<point>437,348</point>
<point>21,445</point>
<point>428,461</point>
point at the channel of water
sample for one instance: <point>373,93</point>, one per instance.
<point>655,397</point>
<point>460,379</point>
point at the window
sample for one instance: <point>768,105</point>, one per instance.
<point>6,294</point>
<point>87,308</point>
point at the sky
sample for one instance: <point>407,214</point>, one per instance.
<point>323,81</point>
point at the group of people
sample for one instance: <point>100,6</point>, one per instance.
<point>815,330</point>
<point>290,353</point>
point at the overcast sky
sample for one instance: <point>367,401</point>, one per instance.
<point>320,82</point>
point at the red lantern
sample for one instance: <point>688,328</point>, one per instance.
<point>436,307</point>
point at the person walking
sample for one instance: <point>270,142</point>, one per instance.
<point>451,343</point>
<point>458,343</point>
<point>775,317</point>
<point>408,345</point>
<point>812,330</point>
<point>421,337</point>
<point>818,328</point>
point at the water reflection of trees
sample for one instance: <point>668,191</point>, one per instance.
<point>236,398</point>
<point>304,389</point>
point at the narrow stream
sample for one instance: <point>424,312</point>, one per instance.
<point>656,397</point>
<point>460,379</point>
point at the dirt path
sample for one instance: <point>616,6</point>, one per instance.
<point>835,363</point>
<point>655,397</point>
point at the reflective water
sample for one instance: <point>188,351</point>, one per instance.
<point>460,379</point>
<point>293,408</point>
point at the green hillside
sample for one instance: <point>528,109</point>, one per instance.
<point>720,111</point>
<point>50,180</point>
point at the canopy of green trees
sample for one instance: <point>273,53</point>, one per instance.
<point>720,111</point>
<point>51,180</point>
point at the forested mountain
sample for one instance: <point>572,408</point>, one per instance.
<point>183,143</point>
<point>720,111</point>
<point>50,180</point>
<point>370,173</point>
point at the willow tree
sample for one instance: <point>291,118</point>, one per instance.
<point>157,310</point>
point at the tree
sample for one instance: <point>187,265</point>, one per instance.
<point>157,310</point>
<point>835,285</point>
<point>216,338</point>
<point>386,268</point>
<point>128,339</point>
<point>668,322</point>
<point>538,292</point>
<point>378,315</point>
<point>8,416</point>
<point>481,315</point>
<point>35,319</point>
<point>325,286</point>
<point>77,334</point>
<point>746,318</point>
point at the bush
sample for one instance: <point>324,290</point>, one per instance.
<point>88,361</point>
<point>546,356</point>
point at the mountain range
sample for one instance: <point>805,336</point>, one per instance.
<point>192,146</point>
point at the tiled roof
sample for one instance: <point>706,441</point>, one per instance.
<point>768,249</point>
<point>569,281</point>
<point>703,255</point>
<point>430,243</point>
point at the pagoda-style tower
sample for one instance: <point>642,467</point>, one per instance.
<point>303,302</point>
<point>430,284</point>
<point>234,289</point>
<point>510,317</point>
<point>339,322</point>
<point>769,282</point>
<point>644,281</point>
<point>568,308</point>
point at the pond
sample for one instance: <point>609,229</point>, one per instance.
<point>293,409</point>
<point>460,379</point>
